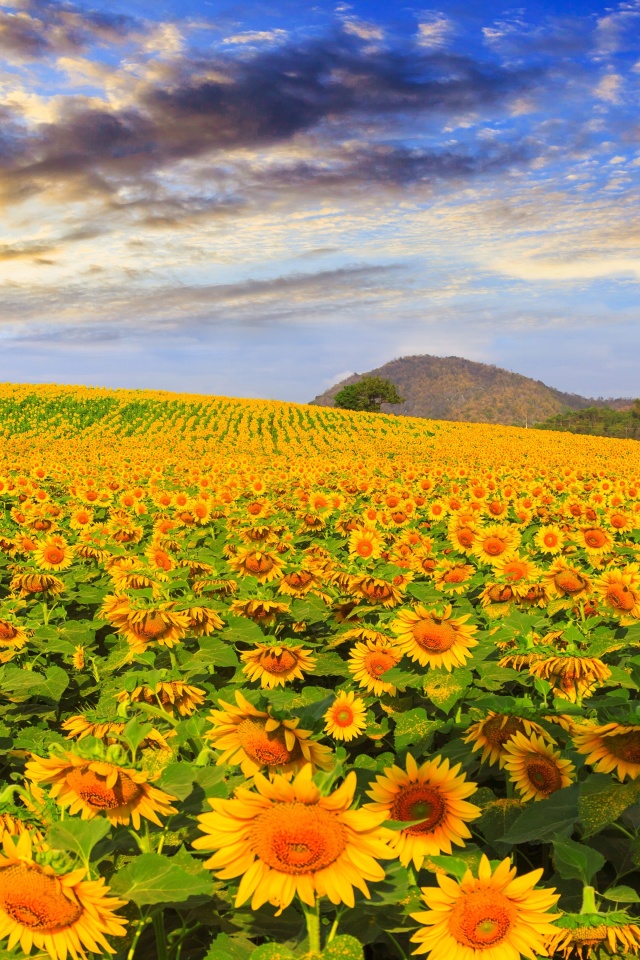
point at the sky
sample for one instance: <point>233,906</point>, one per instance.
<point>256,199</point>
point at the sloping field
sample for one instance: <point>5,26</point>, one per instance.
<point>287,681</point>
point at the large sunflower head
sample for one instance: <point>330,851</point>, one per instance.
<point>433,793</point>
<point>283,838</point>
<point>571,677</point>
<point>619,590</point>
<point>275,665</point>
<point>54,553</point>
<point>535,767</point>
<point>60,913</point>
<point>567,581</point>
<point>496,916</point>
<point>365,543</point>
<point>263,565</point>
<point>170,695</point>
<point>260,611</point>
<point>495,541</point>
<point>91,787</point>
<point>612,746</point>
<point>346,717</point>
<point>492,735</point>
<point>144,625</point>
<point>452,576</point>
<point>433,638</point>
<point>255,740</point>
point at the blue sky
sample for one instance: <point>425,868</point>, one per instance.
<point>257,199</point>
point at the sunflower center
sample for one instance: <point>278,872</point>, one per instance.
<point>625,746</point>
<point>35,900</point>
<point>343,717</point>
<point>365,548</point>
<point>7,631</point>
<point>515,571</point>
<point>298,579</point>
<point>433,636</point>
<point>297,838</point>
<point>550,539</point>
<point>379,662</point>
<point>278,662</point>
<point>457,575</point>
<point>569,582</point>
<point>419,801</point>
<point>498,594</point>
<point>543,773</point>
<point>153,626</point>
<point>481,919</point>
<point>620,596</point>
<point>465,537</point>
<point>618,521</point>
<point>595,538</point>
<point>494,546</point>
<point>259,563</point>
<point>377,590</point>
<point>268,748</point>
<point>499,730</point>
<point>92,788</point>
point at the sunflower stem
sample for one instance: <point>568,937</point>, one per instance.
<point>312,916</point>
<point>161,940</point>
<point>142,923</point>
<point>588,900</point>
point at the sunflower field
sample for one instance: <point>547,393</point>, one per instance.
<point>281,681</point>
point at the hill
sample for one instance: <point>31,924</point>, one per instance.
<point>452,388</point>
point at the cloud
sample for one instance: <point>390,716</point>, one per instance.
<point>258,36</point>
<point>365,31</point>
<point>609,88</point>
<point>436,32</point>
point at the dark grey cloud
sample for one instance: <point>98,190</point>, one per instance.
<point>35,29</point>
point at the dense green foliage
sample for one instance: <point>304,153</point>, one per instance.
<point>368,395</point>
<point>597,422</point>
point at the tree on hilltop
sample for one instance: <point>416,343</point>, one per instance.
<point>367,395</point>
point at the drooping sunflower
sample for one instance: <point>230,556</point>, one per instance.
<point>619,590</point>
<point>433,793</point>
<point>462,533</point>
<point>567,581</point>
<point>202,621</point>
<point>262,565</point>
<point>434,639</point>
<point>535,767</point>
<point>255,740</point>
<point>284,839</point>
<point>59,913</point>
<point>366,542</point>
<point>612,746</point>
<point>345,718</point>
<point>36,584</point>
<point>452,577</point>
<point>160,624</point>
<point>369,661</point>
<point>571,677</point>
<point>260,611</point>
<point>492,734</point>
<point>89,724</point>
<point>519,572</point>
<point>375,590</point>
<point>496,916</point>
<point>298,583</point>
<point>276,665</point>
<point>12,635</point>
<point>170,695</point>
<point>581,936</point>
<point>91,787</point>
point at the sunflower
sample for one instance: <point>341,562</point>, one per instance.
<point>378,591</point>
<point>494,541</point>
<point>160,624</point>
<point>40,584</point>
<point>59,913</point>
<point>12,635</point>
<point>497,916</point>
<point>369,661</point>
<point>434,639</point>
<point>492,734</point>
<point>550,539</point>
<point>345,718</point>
<point>452,577</point>
<point>517,571</point>
<point>262,565</point>
<point>276,665</point>
<point>581,936</point>
<point>87,724</point>
<point>284,839</point>
<point>298,583</point>
<point>619,590</point>
<point>613,746</point>
<point>169,695</point>
<point>432,793</point>
<point>535,767</point>
<point>54,553</point>
<point>567,581</point>
<point>256,740</point>
<point>595,541</point>
<point>571,677</point>
<point>366,543</point>
<point>90,787</point>
<point>260,611</point>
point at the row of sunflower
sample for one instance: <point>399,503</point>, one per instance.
<point>333,701</point>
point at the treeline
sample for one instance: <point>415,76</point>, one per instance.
<point>597,421</point>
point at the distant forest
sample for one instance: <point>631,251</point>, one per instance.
<point>597,421</point>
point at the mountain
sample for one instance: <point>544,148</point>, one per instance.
<point>451,388</point>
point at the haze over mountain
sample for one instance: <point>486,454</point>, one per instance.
<point>452,388</point>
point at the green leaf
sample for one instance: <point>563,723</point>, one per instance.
<point>25,684</point>
<point>135,732</point>
<point>575,861</point>
<point>545,818</point>
<point>602,801</point>
<point>445,689</point>
<point>330,665</point>
<point>177,779</point>
<point>414,728</point>
<point>215,652</point>
<point>290,700</point>
<point>272,951</point>
<point>78,836</point>
<point>309,610</point>
<point>343,948</point>
<point>152,878</point>
<point>241,630</point>
<point>453,865</point>
<point>225,947</point>
<point>621,894</point>
<point>424,592</point>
